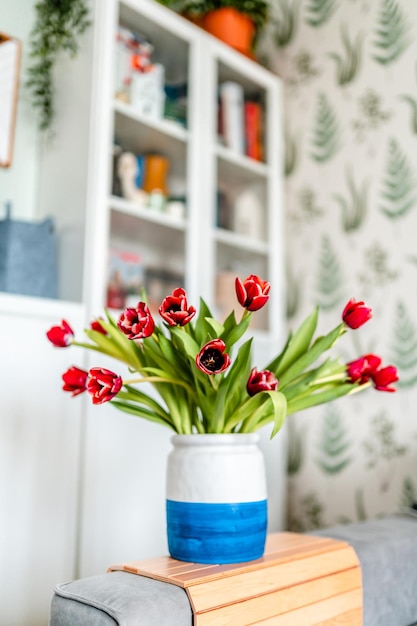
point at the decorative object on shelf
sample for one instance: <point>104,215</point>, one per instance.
<point>127,171</point>
<point>57,29</point>
<point>10,54</point>
<point>231,26</point>
<point>155,174</point>
<point>138,80</point>
<point>176,97</point>
<point>238,23</point>
<point>176,207</point>
<point>204,389</point>
<point>248,215</point>
<point>28,257</point>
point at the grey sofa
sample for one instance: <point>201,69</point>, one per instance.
<point>386,548</point>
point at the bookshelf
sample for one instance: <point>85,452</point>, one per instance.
<point>190,245</point>
<point>232,202</point>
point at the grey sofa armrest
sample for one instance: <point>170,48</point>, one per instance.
<point>387,551</point>
<point>122,599</point>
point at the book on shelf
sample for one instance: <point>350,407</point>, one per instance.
<point>240,121</point>
<point>253,121</point>
<point>231,116</point>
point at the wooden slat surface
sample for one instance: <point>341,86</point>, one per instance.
<point>316,614</point>
<point>245,585</point>
<point>301,580</point>
<point>284,600</point>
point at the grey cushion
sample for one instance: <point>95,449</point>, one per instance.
<point>387,551</point>
<point>119,598</point>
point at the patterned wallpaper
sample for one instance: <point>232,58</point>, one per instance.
<point>350,69</point>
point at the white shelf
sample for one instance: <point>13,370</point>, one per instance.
<point>240,161</point>
<point>234,240</point>
<point>161,125</point>
<point>125,207</point>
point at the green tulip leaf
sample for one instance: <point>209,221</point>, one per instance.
<point>216,326</point>
<point>298,344</point>
<point>308,358</point>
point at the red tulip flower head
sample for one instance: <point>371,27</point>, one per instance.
<point>369,368</point>
<point>75,381</point>
<point>61,336</point>
<point>95,325</point>
<point>252,293</point>
<point>175,310</point>
<point>137,323</point>
<point>361,370</point>
<point>212,358</point>
<point>103,384</point>
<point>356,313</point>
<point>385,377</point>
<point>261,381</point>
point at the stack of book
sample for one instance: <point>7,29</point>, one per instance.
<point>240,121</point>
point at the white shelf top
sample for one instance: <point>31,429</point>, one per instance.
<point>244,162</point>
<point>163,125</point>
<point>149,215</point>
<point>235,240</point>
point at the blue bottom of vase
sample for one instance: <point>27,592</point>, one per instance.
<point>216,533</point>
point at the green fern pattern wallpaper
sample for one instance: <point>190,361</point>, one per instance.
<point>350,74</point>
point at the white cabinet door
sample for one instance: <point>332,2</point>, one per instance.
<point>39,460</point>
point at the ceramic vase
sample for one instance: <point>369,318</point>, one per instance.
<point>216,498</point>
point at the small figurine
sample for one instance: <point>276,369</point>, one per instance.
<point>127,169</point>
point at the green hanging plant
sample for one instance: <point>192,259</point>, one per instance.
<point>58,26</point>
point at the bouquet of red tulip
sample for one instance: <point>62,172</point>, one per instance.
<point>201,387</point>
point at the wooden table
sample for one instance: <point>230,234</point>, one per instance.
<point>301,580</point>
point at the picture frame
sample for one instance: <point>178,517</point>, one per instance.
<point>10,59</point>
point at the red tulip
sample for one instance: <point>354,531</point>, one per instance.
<point>384,378</point>
<point>137,323</point>
<point>175,310</point>
<point>95,325</point>
<point>261,381</point>
<point>103,384</point>
<point>363,369</point>
<point>75,380</point>
<point>355,313</point>
<point>212,358</point>
<point>61,336</point>
<point>252,293</point>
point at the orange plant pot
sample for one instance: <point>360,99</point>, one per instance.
<point>232,27</point>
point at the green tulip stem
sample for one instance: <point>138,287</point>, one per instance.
<point>245,314</point>
<point>156,379</point>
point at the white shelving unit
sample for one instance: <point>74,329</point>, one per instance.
<point>194,246</point>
